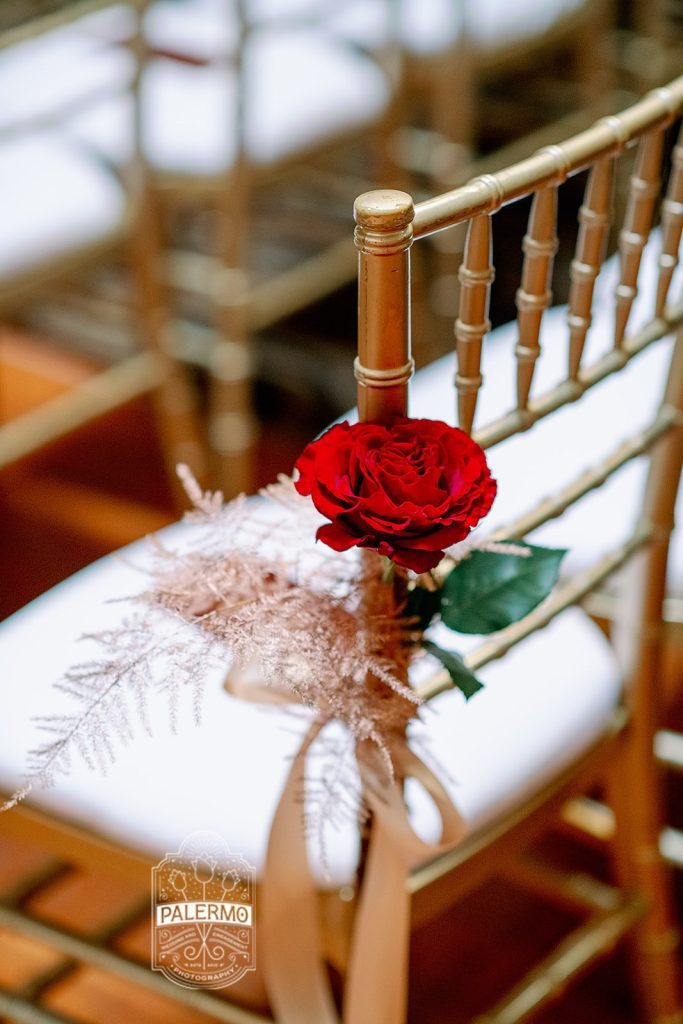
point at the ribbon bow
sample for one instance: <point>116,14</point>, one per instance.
<point>376,981</point>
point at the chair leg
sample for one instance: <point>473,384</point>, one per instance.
<point>634,794</point>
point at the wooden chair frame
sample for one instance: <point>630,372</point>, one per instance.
<point>621,759</point>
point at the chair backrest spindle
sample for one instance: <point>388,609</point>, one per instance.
<point>534,296</point>
<point>672,225</point>
<point>594,222</point>
<point>476,276</point>
<point>175,397</point>
<point>643,191</point>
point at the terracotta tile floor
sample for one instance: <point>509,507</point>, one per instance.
<point>462,961</point>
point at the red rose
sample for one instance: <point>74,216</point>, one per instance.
<point>407,489</point>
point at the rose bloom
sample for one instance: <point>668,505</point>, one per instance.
<point>407,488</point>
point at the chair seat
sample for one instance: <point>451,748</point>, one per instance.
<point>54,199</point>
<point>58,193</point>
<point>535,465</point>
<point>542,707</point>
<point>206,28</point>
<point>302,90</point>
<point>190,112</point>
<point>303,87</point>
<point>42,76</point>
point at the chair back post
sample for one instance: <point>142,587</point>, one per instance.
<point>384,364</point>
<point>638,631</point>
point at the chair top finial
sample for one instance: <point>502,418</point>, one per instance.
<point>385,209</point>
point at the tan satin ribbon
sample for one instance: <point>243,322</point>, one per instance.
<point>296,978</point>
<point>377,978</point>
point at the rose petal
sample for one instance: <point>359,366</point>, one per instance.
<point>336,537</point>
<point>418,561</point>
<point>440,538</point>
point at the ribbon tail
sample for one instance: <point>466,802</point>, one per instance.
<point>454,827</point>
<point>377,980</point>
<point>296,978</point>
<point>377,977</point>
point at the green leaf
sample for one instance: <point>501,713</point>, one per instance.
<point>422,604</point>
<point>456,668</point>
<point>488,590</point>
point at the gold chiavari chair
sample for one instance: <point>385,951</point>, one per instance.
<point>65,211</point>
<point>387,225</point>
<point>554,719</point>
<point>604,516</point>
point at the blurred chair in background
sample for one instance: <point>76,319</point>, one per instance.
<point>486,83</point>
<point>651,43</point>
<point>453,50</point>
<point>228,103</point>
<point>64,210</point>
<point>235,96</point>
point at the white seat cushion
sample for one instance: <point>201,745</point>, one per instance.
<point>209,29</point>
<point>53,199</point>
<point>543,705</point>
<point>302,89</point>
<point>535,465</point>
<point>202,29</point>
